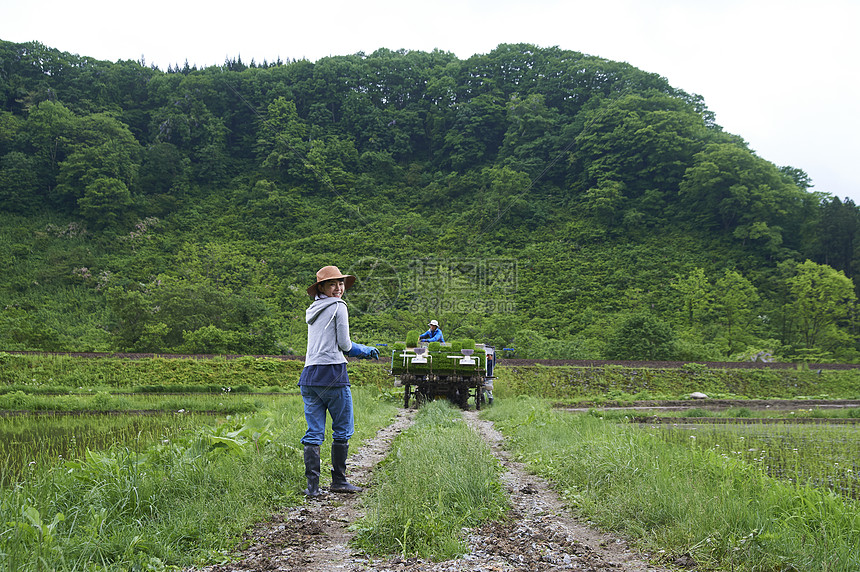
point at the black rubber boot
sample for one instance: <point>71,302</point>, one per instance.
<point>339,484</point>
<point>312,470</point>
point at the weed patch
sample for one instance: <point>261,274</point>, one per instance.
<point>439,477</point>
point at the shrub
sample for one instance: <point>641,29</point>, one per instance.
<point>642,337</point>
<point>738,412</point>
<point>697,412</point>
<point>531,344</point>
<point>15,401</point>
<point>695,367</point>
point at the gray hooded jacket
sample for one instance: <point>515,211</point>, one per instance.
<point>328,331</point>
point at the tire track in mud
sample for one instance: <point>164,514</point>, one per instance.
<point>540,534</point>
<point>537,535</point>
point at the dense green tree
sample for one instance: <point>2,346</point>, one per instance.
<point>696,295</point>
<point>10,132</point>
<point>269,210</point>
<point>366,122</point>
<point>158,316</point>
<point>798,177</point>
<point>823,299</point>
<point>283,145</point>
<point>210,340</point>
<point>735,304</point>
<point>186,122</point>
<point>533,136</point>
<point>105,202</point>
<point>47,136</point>
<point>22,330</point>
<point>26,71</point>
<point>642,336</point>
<point>644,143</point>
<point>505,197</point>
<point>476,133</point>
<point>19,186</point>
<point>163,168</point>
<point>836,235</point>
<point>101,147</point>
<point>728,188</point>
<point>333,162</point>
<point>605,201</point>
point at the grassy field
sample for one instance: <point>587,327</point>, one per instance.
<point>63,374</point>
<point>184,500</point>
<point>97,490</point>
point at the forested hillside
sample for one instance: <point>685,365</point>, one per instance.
<point>540,199</point>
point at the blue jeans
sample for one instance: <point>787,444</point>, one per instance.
<point>338,402</point>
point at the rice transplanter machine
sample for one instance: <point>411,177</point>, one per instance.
<point>454,371</point>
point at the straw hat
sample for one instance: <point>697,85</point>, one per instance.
<point>330,273</point>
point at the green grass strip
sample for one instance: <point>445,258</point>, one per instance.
<point>439,477</point>
<point>35,373</point>
<point>676,499</point>
<point>644,414</point>
<point>617,384</point>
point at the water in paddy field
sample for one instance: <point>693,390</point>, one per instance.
<point>29,442</point>
<point>821,455</point>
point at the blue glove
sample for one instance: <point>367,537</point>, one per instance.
<point>362,352</point>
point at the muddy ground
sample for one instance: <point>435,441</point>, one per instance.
<point>538,535</point>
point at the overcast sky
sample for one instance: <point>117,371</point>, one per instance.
<point>782,74</point>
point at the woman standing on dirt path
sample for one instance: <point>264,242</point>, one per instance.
<point>324,381</point>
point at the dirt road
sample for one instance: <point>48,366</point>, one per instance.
<point>539,534</point>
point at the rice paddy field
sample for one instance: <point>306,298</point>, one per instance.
<point>31,443</point>
<point>822,455</point>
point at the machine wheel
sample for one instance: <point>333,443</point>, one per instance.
<point>452,396</point>
<point>460,397</point>
<point>420,395</point>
